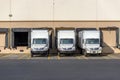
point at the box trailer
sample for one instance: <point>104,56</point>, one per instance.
<point>39,41</point>
<point>89,42</point>
<point>66,41</point>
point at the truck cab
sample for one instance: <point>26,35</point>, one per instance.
<point>89,42</point>
<point>39,42</point>
<point>66,41</point>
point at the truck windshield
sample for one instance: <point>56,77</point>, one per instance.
<point>66,41</point>
<point>39,41</point>
<point>92,41</point>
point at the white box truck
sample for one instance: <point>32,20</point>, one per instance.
<point>89,42</point>
<point>39,42</point>
<point>66,41</point>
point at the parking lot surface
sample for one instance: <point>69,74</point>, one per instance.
<point>69,69</point>
<point>50,57</point>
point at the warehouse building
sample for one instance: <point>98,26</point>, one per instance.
<point>17,17</point>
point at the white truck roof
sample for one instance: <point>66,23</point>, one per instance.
<point>39,34</point>
<point>66,33</point>
<point>90,34</point>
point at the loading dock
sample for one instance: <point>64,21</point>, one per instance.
<point>109,39</point>
<point>21,37</point>
<point>4,37</point>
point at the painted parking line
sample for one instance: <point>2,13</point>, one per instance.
<point>20,56</point>
<point>106,57</point>
<point>49,57</point>
<point>78,57</point>
<point>1,55</point>
<point>83,57</point>
<point>28,56</point>
<point>113,57</point>
<point>7,55</point>
<point>24,56</point>
<point>58,56</point>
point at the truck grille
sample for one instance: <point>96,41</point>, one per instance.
<point>67,48</point>
<point>39,48</point>
<point>94,48</point>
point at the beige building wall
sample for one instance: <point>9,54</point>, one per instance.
<point>32,10</point>
<point>75,9</point>
<point>62,10</point>
<point>4,10</point>
<point>108,9</point>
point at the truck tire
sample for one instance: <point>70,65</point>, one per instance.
<point>100,54</point>
<point>86,54</point>
<point>82,51</point>
<point>62,55</point>
<point>31,54</point>
<point>47,53</point>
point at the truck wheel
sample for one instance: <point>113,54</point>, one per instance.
<point>83,52</point>
<point>62,54</point>
<point>47,53</point>
<point>86,55</point>
<point>100,54</point>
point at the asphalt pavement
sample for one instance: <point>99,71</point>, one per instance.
<point>57,57</point>
<point>64,69</point>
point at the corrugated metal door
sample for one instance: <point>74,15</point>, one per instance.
<point>2,39</point>
<point>109,40</point>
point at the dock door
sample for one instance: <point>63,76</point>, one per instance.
<point>4,37</point>
<point>109,39</point>
<point>21,37</point>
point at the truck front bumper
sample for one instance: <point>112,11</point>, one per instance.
<point>39,52</point>
<point>94,52</point>
<point>67,52</point>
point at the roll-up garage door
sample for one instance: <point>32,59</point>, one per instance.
<point>108,40</point>
<point>2,39</point>
<point>21,37</point>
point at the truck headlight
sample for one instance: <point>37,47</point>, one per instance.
<point>87,49</point>
<point>100,48</point>
<point>45,48</point>
<point>73,48</point>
